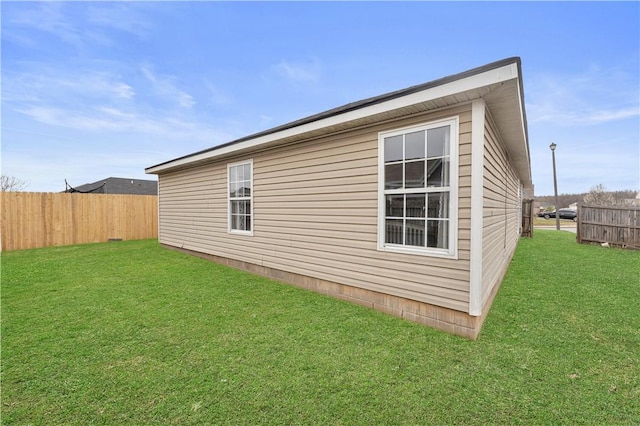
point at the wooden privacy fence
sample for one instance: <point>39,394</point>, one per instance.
<point>616,225</point>
<point>527,218</point>
<point>38,219</point>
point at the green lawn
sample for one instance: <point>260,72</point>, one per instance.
<point>564,223</point>
<point>131,333</point>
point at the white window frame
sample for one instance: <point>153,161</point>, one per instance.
<point>229,199</point>
<point>452,250</point>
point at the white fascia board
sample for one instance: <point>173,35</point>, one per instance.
<point>524,133</point>
<point>498,75</point>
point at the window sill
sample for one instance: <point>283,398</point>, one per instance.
<point>236,232</point>
<point>446,254</point>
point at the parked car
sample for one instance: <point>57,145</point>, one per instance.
<point>563,214</point>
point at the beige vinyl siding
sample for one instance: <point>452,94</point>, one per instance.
<point>501,205</point>
<point>315,214</point>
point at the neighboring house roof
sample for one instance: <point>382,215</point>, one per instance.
<point>498,83</point>
<point>114,185</point>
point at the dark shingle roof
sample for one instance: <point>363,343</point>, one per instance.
<point>114,185</point>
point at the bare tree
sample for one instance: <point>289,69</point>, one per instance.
<point>599,196</point>
<point>12,183</point>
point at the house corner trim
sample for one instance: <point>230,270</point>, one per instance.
<point>478,110</point>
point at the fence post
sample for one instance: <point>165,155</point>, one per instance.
<point>579,223</point>
<point>527,218</point>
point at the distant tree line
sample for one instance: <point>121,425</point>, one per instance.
<point>598,195</point>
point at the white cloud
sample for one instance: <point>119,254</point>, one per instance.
<point>579,117</point>
<point>163,86</point>
<point>99,110</point>
<point>23,40</point>
<point>303,72</point>
<point>185,100</point>
<point>41,84</point>
<point>620,114</point>
<point>120,16</point>
<point>216,95</point>
<point>265,120</point>
<point>594,96</point>
<point>46,17</point>
<point>75,23</point>
<point>101,119</point>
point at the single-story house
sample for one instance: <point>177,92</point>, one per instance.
<point>116,185</point>
<point>407,202</point>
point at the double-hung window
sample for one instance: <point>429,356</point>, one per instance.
<point>418,189</point>
<point>240,197</point>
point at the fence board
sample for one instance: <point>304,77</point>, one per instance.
<point>616,225</point>
<point>39,219</point>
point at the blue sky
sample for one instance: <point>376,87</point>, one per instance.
<point>96,89</point>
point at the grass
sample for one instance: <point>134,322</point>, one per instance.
<point>565,223</point>
<point>131,333</point>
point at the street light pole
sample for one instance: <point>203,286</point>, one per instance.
<point>555,184</point>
